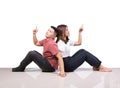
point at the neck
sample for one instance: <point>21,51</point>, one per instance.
<point>65,38</point>
<point>49,38</point>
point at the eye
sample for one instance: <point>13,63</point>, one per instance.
<point>49,30</point>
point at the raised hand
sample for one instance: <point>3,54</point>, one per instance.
<point>81,28</point>
<point>35,30</point>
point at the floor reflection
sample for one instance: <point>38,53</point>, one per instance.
<point>78,79</point>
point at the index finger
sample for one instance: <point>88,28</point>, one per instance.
<point>36,27</point>
<point>82,25</point>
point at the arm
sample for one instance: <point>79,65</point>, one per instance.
<point>35,41</point>
<point>79,42</point>
<point>61,64</point>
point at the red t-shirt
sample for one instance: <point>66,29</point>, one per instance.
<point>50,49</point>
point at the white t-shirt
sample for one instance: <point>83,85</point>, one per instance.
<point>65,48</point>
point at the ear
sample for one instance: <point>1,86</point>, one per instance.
<point>55,35</point>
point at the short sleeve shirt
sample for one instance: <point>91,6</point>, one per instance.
<point>50,49</point>
<point>65,48</point>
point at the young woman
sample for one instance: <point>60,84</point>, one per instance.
<point>51,57</point>
<point>73,62</point>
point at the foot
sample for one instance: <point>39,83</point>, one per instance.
<point>104,69</point>
<point>18,69</point>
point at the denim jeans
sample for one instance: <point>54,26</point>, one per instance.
<point>38,59</point>
<point>73,62</point>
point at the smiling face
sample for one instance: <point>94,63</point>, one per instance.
<point>63,33</point>
<point>50,33</point>
<point>67,33</point>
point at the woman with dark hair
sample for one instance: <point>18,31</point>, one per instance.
<point>73,62</point>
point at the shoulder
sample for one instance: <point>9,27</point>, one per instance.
<point>71,43</point>
<point>52,46</point>
<point>42,41</point>
<point>52,43</point>
<point>60,42</point>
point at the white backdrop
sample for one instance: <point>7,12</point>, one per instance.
<point>101,19</point>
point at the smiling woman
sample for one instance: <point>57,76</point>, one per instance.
<point>100,18</point>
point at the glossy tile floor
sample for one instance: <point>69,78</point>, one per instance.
<point>81,78</point>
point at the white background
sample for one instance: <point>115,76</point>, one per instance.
<point>101,19</point>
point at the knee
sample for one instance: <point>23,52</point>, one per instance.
<point>31,52</point>
<point>82,50</point>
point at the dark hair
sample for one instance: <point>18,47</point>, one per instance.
<point>61,33</point>
<point>55,29</point>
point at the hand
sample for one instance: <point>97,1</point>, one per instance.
<point>35,30</point>
<point>81,28</point>
<point>62,74</point>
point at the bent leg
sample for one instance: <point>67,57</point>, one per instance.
<point>27,60</point>
<point>42,62</point>
<point>79,57</point>
<point>38,59</point>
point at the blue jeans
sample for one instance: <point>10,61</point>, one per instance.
<point>73,62</point>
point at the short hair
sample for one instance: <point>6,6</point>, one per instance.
<point>55,29</point>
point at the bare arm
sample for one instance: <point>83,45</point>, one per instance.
<point>35,40</point>
<point>79,42</point>
<point>61,64</point>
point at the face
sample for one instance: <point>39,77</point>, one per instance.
<point>67,33</point>
<point>50,33</point>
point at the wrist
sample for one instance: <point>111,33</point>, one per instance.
<point>62,71</point>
